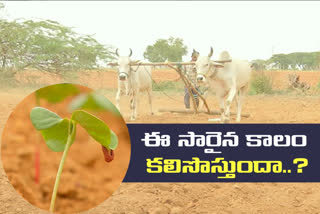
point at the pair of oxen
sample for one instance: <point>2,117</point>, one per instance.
<point>227,77</point>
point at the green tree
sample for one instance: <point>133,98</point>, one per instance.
<point>48,45</point>
<point>172,49</point>
<point>259,65</point>
<point>303,60</point>
<point>281,60</point>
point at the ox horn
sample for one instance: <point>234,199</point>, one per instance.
<point>117,52</point>
<point>211,52</point>
<point>130,52</point>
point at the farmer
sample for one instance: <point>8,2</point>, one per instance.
<point>191,74</point>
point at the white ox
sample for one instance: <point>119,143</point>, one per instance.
<point>136,79</point>
<point>229,80</point>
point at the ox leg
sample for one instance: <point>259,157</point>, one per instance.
<point>241,93</point>
<point>126,84</point>
<point>134,104</point>
<point>230,97</point>
<point>150,100</point>
<point>118,99</point>
<point>239,99</point>
<point>133,108</point>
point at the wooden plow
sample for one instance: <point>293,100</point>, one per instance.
<point>177,67</point>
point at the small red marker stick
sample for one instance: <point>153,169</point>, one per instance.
<point>108,154</point>
<point>37,165</point>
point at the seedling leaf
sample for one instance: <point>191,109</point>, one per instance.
<point>42,118</point>
<point>56,137</point>
<point>95,127</point>
<point>114,141</point>
<point>94,102</point>
<point>57,93</point>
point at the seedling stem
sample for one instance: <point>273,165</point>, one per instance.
<point>64,157</point>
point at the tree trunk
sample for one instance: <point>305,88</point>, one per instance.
<point>4,61</point>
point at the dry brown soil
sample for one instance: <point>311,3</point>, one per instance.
<point>210,198</point>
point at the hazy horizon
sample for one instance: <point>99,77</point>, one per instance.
<point>248,30</point>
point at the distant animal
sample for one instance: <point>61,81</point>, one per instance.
<point>136,79</point>
<point>229,80</point>
<point>294,82</point>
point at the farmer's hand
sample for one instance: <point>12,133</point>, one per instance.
<point>108,154</point>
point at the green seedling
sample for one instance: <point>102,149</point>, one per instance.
<point>59,134</point>
<point>53,94</point>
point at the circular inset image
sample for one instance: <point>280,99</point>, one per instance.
<point>65,148</point>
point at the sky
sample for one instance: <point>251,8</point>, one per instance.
<point>248,30</point>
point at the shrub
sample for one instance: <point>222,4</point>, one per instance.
<point>260,84</point>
